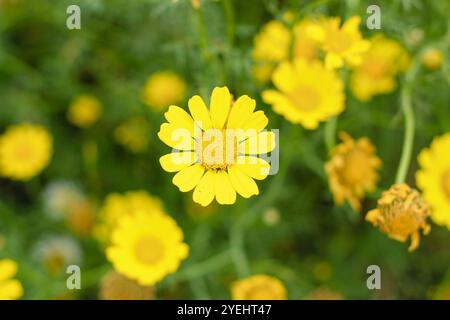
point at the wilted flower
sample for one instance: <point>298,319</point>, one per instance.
<point>323,293</point>
<point>115,286</point>
<point>258,287</point>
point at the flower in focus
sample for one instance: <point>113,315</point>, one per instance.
<point>217,147</point>
<point>133,134</point>
<point>323,293</point>
<point>341,44</point>
<point>379,67</point>
<point>401,213</point>
<point>25,150</point>
<point>56,252</point>
<point>432,59</point>
<point>307,93</point>
<point>10,289</point>
<point>84,111</point>
<point>115,286</point>
<point>433,178</point>
<point>352,170</point>
<point>163,89</point>
<point>258,287</point>
<point>146,247</point>
<point>118,205</point>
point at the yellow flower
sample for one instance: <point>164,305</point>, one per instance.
<point>163,89</point>
<point>307,93</point>
<point>115,286</point>
<point>352,170</point>
<point>219,147</point>
<point>401,213</point>
<point>84,111</point>
<point>433,178</point>
<point>133,134</point>
<point>432,59</point>
<point>258,287</point>
<point>118,205</point>
<point>378,69</point>
<point>10,289</point>
<point>146,247</point>
<point>341,44</point>
<point>25,150</point>
<point>273,43</point>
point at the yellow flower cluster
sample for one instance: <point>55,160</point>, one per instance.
<point>10,289</point>
<point>25,150</point>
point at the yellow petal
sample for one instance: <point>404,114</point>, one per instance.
<point>179,118</point>
<point>177,161</point>
<point>8,268</point>
<point>284,77</point>
<point>200,112</point>
<point>220,106</point>
<point>333,61</point>
<point>188,178</point>
<point>257,121</point>
<point>177,138</point>
<point>261,143</point>
<point>254,167</point>
<point>244,185</point>
<point>225,193</point>
<point>10,290</point>
<point>315,32</point>
<point>351,25</point>
<point>241,111</point>
<point>204,191</point>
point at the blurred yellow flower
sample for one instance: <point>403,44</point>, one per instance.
<point>401,213</point>
<point>341,44</point>
<point>10,289</point>
<point>215,146</point>
<point>258,287</point>
<point>307,93</point>
<point>146,247</point>
<point>134,134</point>
<point>163,89</point>
<point>432,59</point>
<point>25,150</point>
<point>433,178</point>
<point>84,111</point>
<point>118,205</point>
<point>352,170</point>
<point>379,67</point>
<point>115,286</point>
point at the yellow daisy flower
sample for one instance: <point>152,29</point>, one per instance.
<point>219,147</point>
<point>25,150</point>
<point>10,289</point>
<point>379,67</point>
<point>146,247</point>
<point>352,170</point>
<point>117,205</point>
<point>163,89</point>
<point>433,178</point>
<point>115,286</point>
<point>84,111</point>
<point>307,93</point>
<point>258,287</point>
<point>432,59</point>
<point>341,44</point>
<point>133,134</point>
<point>401,214</point>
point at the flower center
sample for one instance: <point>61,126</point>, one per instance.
<point>446,183</point>
<point>217,149</point>
<point>356,168</point>
<point>149,250</point>
<point>304,98</point>
<point>338,41</point>
<point>376,69</point>
<point>54,262</point>
<point>23,152</point>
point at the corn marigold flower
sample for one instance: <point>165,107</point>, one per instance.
<point>341,44</point>
<point>352,170</point>
<point>84,111</point>
<point>146,247</point>
<point>163,89</point>
<point>433,178</point>
<point>401,214</point>
<point>379,67</point>
<point>217,147</point>
<point>307,93</point>
<point>10,289</point>
<point>115,286</point>
<point>117,205</point>
<point>258,287</point>
<point>133,134</point>
<point>432,59</point>
<point>25,150</point>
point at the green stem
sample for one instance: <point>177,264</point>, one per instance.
<point>229,14</point>
<point>330,133</point>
